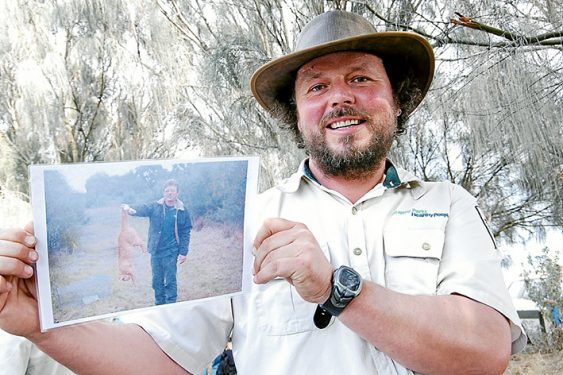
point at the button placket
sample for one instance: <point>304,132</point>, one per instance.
<point>356,243</point>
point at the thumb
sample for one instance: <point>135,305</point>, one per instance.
<point>29,227</point>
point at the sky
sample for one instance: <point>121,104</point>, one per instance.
<point>78,174</point>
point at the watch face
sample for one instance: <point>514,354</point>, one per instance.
<point>349,279</point>
<point>347,285</point>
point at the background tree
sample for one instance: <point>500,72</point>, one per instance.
<point>83,81</point>
<point>491,121</point>
<point>108,80</point>
<point>543,281</point>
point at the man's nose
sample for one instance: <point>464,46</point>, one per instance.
<point>341,94</point>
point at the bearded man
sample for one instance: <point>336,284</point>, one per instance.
<point>359,266</point>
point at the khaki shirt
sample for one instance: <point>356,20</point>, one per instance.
<point>411,236</point>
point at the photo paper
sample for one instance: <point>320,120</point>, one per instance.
<point>114,237</point>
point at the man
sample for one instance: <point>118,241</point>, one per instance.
<point>169,239</point>
<point>359,267</point>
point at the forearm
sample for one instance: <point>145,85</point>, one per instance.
<point>431,334</point>
<point>105,348</point>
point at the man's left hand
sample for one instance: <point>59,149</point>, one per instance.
<point>288,249</point>
<point>181,259</point>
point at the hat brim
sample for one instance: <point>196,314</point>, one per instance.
<point>405,56</point>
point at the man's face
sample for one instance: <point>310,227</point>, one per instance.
<point>346,112</point>
<point>170,195</point>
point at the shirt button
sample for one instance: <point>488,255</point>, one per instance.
<point>426,246</point>
<point>354,210</point>
<point>357,251</point>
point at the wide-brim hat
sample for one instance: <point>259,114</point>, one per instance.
<point>407,57</point>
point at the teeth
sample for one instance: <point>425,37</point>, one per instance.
<point>342,124</point>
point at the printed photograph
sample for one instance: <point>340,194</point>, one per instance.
<point>131,235</point>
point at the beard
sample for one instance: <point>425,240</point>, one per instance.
<point>352,161</point>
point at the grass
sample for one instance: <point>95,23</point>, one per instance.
<point>86,283</point>
<point>536,364</point>
<point>542,355</point>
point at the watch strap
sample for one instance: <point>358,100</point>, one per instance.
<point>331,307</point>
<point>321,318</point>
<point>336,303</point>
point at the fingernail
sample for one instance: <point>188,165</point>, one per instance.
<point>29,240</point>
<point>33,256</point>
<point>254,251</point>
<point>28,270</point>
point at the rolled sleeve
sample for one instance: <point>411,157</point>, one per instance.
<point>191,334</point>
<point>470,263</point>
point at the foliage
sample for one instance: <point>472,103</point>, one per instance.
<point>65,211</point>
<point>79,83</point>
<point>156,78</point>
<point>491,121</point>
<point>543,280</point>
<point>212,191</point>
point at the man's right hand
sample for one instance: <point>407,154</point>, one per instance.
<point>125,207</point>
<point>18,299</point>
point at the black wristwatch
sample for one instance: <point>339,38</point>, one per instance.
<point>346,285</point>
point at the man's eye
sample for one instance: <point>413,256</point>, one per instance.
<point>316,88</point>
<point>360,79</point>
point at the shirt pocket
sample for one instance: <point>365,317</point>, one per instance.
<point>412,260</point>
<point>281,310</point>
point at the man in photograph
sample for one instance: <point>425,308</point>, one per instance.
<point>169,239</point>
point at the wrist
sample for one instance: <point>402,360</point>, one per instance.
<point>40,339</point>
<point>325,296</point>
<point>345,286</point>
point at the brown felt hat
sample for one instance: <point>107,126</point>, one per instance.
<point>405,56</point>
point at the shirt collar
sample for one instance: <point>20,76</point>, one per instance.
<point>179,204</point>
<point>392,179</point>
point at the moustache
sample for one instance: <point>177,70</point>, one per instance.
<point>340,112</point>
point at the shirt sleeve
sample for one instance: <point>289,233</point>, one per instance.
<point>192,334</point>
<point>144,210</point>
<point>470,263</point>
<point>185,233</point>
<point>19,356</point>
<point>14,354</point>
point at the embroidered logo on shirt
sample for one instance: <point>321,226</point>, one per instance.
<point>420,213</point>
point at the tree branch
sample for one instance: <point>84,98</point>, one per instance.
<point>517,39</point>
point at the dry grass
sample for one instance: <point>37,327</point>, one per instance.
<point>542,355</point>
<point>536,364</point>
<point>86,283</point>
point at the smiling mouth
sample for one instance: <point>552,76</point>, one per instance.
<point>344,124</point>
